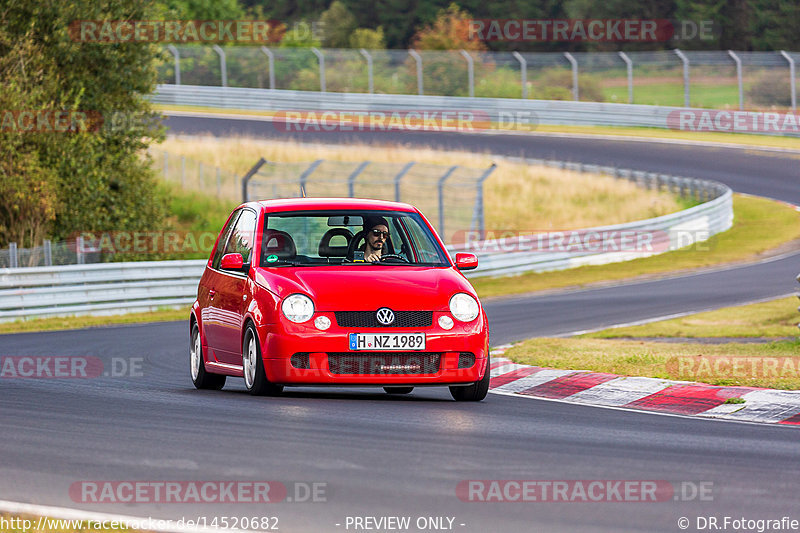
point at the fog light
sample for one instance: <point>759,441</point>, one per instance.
<point>322,322</point>
<point>445,322</point>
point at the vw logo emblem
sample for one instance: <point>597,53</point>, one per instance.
<point>385,316</point>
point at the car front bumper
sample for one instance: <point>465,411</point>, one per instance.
<point>326,358</point>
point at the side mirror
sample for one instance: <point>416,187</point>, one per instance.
<point>466,261</point>
<point>232,262</point>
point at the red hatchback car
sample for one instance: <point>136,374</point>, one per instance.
<point>322,291</point>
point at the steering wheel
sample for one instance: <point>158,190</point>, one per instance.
<point>394,256</point>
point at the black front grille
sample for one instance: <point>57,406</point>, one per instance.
<point>368,319</point>
<point>301,360</point>
<point>466,360</point>
<point>383,363</point>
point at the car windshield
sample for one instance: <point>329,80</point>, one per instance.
<point>322,238</point>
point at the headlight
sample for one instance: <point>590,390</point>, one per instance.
<point>298,308</point>
<point>464,307</point>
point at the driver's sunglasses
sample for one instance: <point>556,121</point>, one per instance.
<point>379,233</point>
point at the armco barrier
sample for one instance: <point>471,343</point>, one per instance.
<point>514,113</point>
<point>104,288</point>
<point>672,231</point>
<point>108,288</point>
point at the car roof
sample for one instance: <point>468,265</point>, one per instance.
<point>308,204</point>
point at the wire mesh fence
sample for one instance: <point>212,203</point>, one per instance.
<point>712,79</point>
<point>450,196</point>
<point>190,174</point>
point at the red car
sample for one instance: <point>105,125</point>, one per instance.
<point>322,291</point>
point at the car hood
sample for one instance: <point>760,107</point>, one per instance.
<point>366,288</point>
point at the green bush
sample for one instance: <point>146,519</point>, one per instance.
<point>771,88</point>
<point>556,84</point>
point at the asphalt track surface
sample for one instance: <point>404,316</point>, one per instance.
<point>404,456</point>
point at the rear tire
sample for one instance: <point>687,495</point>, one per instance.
<point>255,378</point>
<point>475,392</point>
<point>398,390</point>
<point>197,365</point>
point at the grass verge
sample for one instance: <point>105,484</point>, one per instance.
<point>767,141</point>
<point>776,318</point>
<point>517,196</point>
<point>753,233</point>
<point>772,365</point>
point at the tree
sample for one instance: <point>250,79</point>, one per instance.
<point>88,179</point>
<point>450,31</point>
<point>337,24</point>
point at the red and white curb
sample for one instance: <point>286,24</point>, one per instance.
<point>584,387</point>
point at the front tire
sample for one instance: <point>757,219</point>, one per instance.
<point>197,365</point>
<point>475,392</point>
<point>255,378</point>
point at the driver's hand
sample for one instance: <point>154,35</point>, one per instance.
<point>372,258</point>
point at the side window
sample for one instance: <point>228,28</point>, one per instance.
<point>243,236</point>
<point>223,240</point>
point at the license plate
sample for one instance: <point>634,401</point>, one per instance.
<point>387,341</point>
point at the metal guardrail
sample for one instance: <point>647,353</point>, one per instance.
<point>98,289</point>
<point>668,232</point>
<point>492,114</point>
<point>142,286</point>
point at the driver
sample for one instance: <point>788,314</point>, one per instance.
<point>376,232</point>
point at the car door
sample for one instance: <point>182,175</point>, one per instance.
<point>232,290</point>
<point>207,291</point>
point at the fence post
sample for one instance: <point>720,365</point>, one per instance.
<point>223,65</point>
<point>271,61</point>
<point>79,257</point>
<point>166,164</point>
<point>13,255</point>
<point>398,177</point>
<point>685,61</point>
<point>792,81</point>
<point>738,77</point>
<point>306,173</point>
<point>470,72</point>
<point>219,183</point>
<point>176,54</point>
<point>479,200</point>
<point>523,72</point>
<point>250,174</point>
<point>629,68</point>
<point>321,59</point>
<point>48,253</point>
<point>441,198</point>
<point>369,69</point>
<point>183,172</point>
<point>574,64</point>
<point>418,58</point>
<point>351,179</point>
